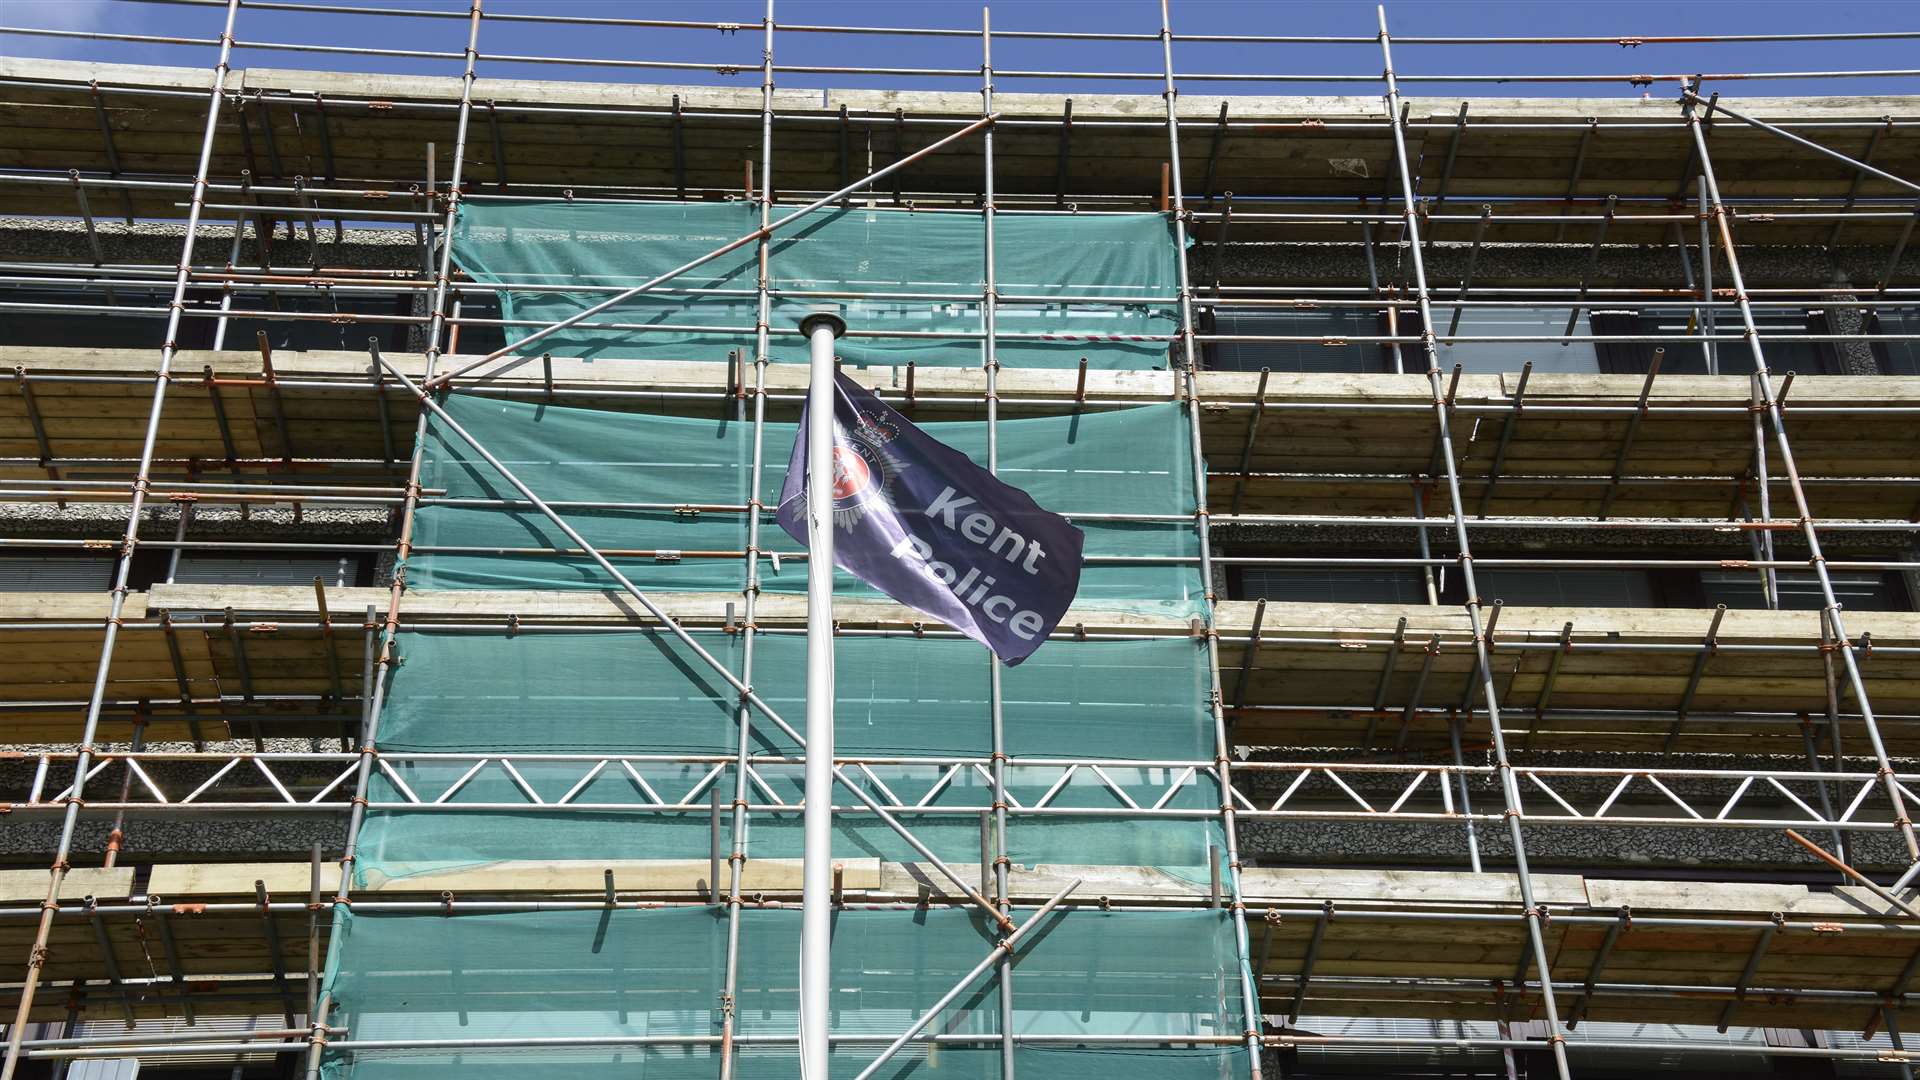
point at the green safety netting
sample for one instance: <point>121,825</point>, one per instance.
<point>397,844</point>
<point>1137,460</point>
<point>660,974</point>
<point>1125,262</point>
<point>642,689</point>
<point>637,736</point>
<point>645,692</point>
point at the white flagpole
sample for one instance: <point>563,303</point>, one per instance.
<point>816,896</point>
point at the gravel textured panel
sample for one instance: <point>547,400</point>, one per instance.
<point>158,243</point>
<point>30,841</point>
<point>210,522</point>
<point>1545,264</point>
<point>1620,536</point>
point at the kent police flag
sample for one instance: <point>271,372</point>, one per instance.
<point>922,523</point>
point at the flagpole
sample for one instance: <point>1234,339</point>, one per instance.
<point>816,897</point>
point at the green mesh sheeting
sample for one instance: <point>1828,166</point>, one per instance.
<point>628,690</point>
<point>643,691</point>
<point>660,973</point>
<point>549,244</point>
<point>398,844</point>
<point>1137,460</point>
<point>595,718</point>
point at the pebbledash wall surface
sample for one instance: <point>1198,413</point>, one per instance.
<point>1090,992</point>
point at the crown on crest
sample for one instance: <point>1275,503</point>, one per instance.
<point>875,430</point>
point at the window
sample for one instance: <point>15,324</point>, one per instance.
<point>219,570</point>
<point>105,329</point>
<point>1570,587</point>
<point>1494,357</point>
<point>1857,590</point>
<point>1332,585</point>
<point>54,573</point>
<point>1731,357</point>
<point>1481,357</point>
<point>1321,324</point>
<point>1635,357</point>
<point>1896,357</point>
<point>303,334</point>
<point>481,339</point>
<point>95,329</point>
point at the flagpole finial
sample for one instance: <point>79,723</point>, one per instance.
<point>823,318</point>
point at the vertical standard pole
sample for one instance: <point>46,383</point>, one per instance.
<point>990,323</point>
<point>83,760</point>
<point>743,718</point>
<point>226,293</point>
<point>816,874</point>
<point>403,549</point>
<point>1466,795</point>
<point>1249,993</point>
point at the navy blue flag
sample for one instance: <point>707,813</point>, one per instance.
<point>919,521</point>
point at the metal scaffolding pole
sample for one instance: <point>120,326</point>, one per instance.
<point>1881,175</point>
<point>990,361</point>
<point>63,851</point>
<point>388,659</point>
<point>1410,208</point>
<point>743,711</point>
<point>1001,953</point>
<point>1429,795</point>
<point>1249,992</point>
<point>816,905</point>
<point>1769,403</point>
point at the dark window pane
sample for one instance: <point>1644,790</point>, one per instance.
<point>1805,357</point>
<point>215,570</point>
<point>303,334</point>
<point>1897,357</point>
<point>107,329</point>
<point>481,339</point>
<point>54,573</point>
<point>1685,357</point>
<point>88,329</point>
<point>1334,585</point>
<point>1340,323</point>
<point>1635,357</point>
<point>1569,588</point>
<point>1681,357</point>
<point>1857,590</point>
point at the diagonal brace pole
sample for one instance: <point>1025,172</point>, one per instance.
<point>746,692</point>
<point>755,236</point>
<point>1873,886</point>
<point>1879,174</point>
<point>1001,951</point>
<point>1769,403</point>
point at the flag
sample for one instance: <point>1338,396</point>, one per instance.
<point>919,521</point>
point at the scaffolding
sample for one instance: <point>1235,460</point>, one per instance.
<point>1413,717</point>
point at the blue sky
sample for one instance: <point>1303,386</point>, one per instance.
<point>1323,17</point>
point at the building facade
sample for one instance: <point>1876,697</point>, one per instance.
<point>1497,652</point>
